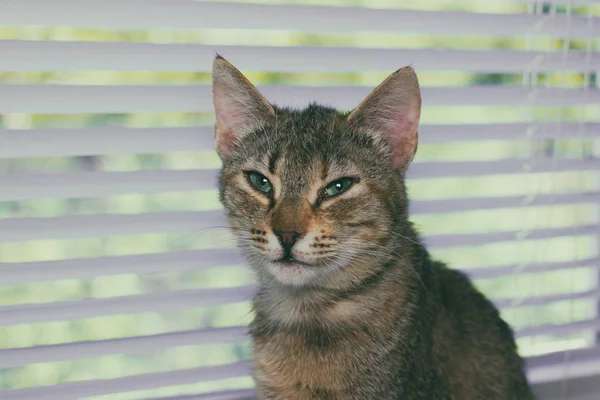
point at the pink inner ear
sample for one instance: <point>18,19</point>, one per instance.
<point>225,143</point>
<point>226,119</point>
<point>224,132</point>
<point>405,128</point>
<point>403,152</point>
<point>403,138</point>
<point>223,109</point>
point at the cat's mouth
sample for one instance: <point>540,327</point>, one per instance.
<point>289,261</point>
<point>292,271</point>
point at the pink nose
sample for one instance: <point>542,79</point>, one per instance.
<point>287,239</point>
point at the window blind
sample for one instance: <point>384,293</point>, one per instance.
<point>118,277</point>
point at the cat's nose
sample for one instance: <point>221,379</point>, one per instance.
<point>287,239</point>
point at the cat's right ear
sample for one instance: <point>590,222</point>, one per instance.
<point>240,109</point>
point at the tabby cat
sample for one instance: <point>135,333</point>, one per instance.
<point>351,306</point>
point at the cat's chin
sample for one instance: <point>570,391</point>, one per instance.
<point>294,273</point>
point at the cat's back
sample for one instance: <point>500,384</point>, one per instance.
<point>473,345</point>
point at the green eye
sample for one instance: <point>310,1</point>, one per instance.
<point>260,182</point>
<point>338,187</point>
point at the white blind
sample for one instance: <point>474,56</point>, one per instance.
<point>118,276</point>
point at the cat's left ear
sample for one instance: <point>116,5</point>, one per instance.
<point>392,112</point>
<point>240,109</point>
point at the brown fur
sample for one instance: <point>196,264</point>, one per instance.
<point>356,310</point>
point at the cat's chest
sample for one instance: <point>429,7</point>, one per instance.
<point>310,364</point>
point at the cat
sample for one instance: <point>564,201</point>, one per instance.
<point>350,304</point>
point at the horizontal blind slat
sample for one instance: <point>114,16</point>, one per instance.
<point>196,260</point>
<point>429,134</point>
<point>564,2</point>
<point>80,226</point>
<point>73,227</point>
<point>77,99</point>
<point>439,206</point>
<point>103,141</point>
<point>70,142</point>
<point>478,239</point>
<point>184,14</point>
<point>423,170</point>
<point>538,301</point>
<point>82,389</point>
<point>557,358</point>
<point>11,358</point>
<point>98,184</point>
<point>21,186</point>
<point>559,329</point>
<point>499,271</point>
<point>244,394</point>
<point>186,299</point>
<point>22,55</point>
<point>156,302</point>
<point>85,268</point>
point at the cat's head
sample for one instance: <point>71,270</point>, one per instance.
<point>313,195</point>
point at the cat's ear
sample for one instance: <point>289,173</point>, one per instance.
<point>392,112</point>
<point>239,107</point>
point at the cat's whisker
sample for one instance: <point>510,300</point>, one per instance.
<point>201,231</point>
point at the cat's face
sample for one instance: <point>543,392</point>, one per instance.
<point>311,195</point>
<point>308,196</point>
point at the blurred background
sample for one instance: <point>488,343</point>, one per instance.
<point>513,264</point>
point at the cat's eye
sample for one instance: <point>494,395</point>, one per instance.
<point>338,187</point>
<point>259,182</point>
